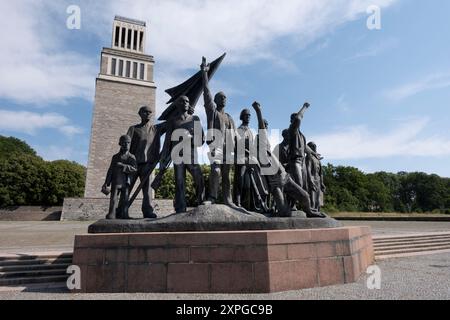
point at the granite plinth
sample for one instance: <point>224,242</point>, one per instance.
<point>213,218</point>
<point>222,262</point>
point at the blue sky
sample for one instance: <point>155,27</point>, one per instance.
<point>380,98</point>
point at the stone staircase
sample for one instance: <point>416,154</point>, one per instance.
<point>410,245</point>
<point>22,270</point>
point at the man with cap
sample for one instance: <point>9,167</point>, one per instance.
<point>145,145</point>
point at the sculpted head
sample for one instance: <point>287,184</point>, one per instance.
<point>220,100</point>
<point>182,104</point>
<point>313,146</point>
<point>266,124</point>
<point>293,117</point>
<point>285,135</point>
<point>124,143</point>
<point>145,113</point>
<point>245,116</point>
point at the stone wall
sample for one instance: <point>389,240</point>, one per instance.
<point>85,209</point>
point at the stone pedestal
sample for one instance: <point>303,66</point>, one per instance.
<point>222,262</point>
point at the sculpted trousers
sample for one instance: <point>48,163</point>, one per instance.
<point>296,171</point>
<point>315,195</point>
<point>118,204</point>
<point>218,171</point>
<point>180,185</point>
<point>142,172</point>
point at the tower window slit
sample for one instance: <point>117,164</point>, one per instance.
<point>121,68</point>
<point>117,35</point>
<point>135,40</point>
<point>141,75</point>
<point>135,70</point>
<point>141,41</point>
<point>128,70</point>
<point>113,66</point>
<point>123,38</point>
<point>129,39</point>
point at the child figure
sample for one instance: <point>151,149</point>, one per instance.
<point>123,165</point>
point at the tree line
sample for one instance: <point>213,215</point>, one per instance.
<point>26,179</point>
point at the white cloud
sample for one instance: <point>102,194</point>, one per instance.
<point>35,66</point>
<point>52,152</point>
<point>429,82</point>
<point>375,49</point>
<point>182,31</point>
<point>30,122</point>
<point>361,143</point>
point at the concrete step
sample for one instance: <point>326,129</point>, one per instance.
<point>408,245</point>
<point>33,273</point>
<point>9,282</point>
<point>411,250</point>
<point>425,247</point>
<point>412,243</point>
<point>411,237</point>
<point>14,262</point>
<point>28,256</point>
<point>30,267</point>
<point>387,240</point>
<point>34,268</point>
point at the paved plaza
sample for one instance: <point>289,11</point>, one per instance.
<point>16,237</point>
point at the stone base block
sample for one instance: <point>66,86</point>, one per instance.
<point>222,262</point>
<point>93,209</point>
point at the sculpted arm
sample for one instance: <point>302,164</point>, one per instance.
<point>207,96</point>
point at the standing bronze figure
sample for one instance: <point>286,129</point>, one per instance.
<point>315,177</point>
<point>223,124</point>
<point>242,182</point>
<point>187,128</point>
<point>297,148</point>
<point>123,166</point>
<point>145,145</point>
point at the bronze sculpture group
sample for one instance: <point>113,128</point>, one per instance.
<point>265,181</point>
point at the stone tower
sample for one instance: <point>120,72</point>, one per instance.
<point>125,83</point>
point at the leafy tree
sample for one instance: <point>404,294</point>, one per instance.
<point>26,179</point>
<point>11,145</point>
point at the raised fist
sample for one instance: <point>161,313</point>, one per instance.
<point>204,66</point>
<point>256,106</point>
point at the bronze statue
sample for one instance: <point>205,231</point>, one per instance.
<point>123,166</point>
<point>145,145</point>
<point>282,150</point>
<point>250,188</point>
<point>242,182</point>
<point>281,181</point>
<point>297,148</point>
<point>315,177</point>
<point>187,128</point>
<point>223,124</point>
